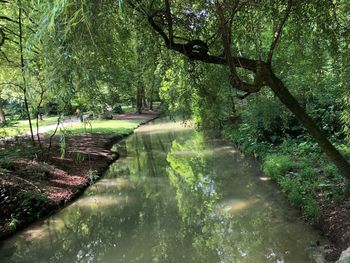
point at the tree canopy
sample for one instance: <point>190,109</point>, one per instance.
<point>215,60</point>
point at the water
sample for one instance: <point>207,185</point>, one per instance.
<point>175,195</point>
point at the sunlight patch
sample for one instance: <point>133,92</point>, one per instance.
<point>235,205</point>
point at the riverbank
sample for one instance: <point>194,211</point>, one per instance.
<point>310,182</point>
<point>35,183</point>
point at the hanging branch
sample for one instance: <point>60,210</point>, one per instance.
<point>6,29</point>
<point>8,19</point>
<point>2,37</point>
<point>24,89</point>
<point>52,135</point>
<point>235,80</point>
<point>237,6</point>
<point>6,57</point>
<point>11,83</point>
<point>11,40</point>
<point>38,114</point>
<point>278,32</point>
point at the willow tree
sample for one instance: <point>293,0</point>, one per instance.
<point>244,36</point>
<point>16,27</point>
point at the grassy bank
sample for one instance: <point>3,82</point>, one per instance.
<point>300,168</point>
<point>100,127</point>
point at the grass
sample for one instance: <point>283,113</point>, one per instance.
<point>299,167</point>
<point>128,108</point>
<point>19,127</point>
<point>101,126</point>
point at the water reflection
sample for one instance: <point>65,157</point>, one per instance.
<point>175,196</point>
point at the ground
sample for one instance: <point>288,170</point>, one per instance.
<point>34,184</point>
<point>334,223</point>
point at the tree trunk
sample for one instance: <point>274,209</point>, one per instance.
<point>139,100</point>
<point>292,104</point>
<point>2,114</point>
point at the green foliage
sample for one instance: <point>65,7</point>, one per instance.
<point>297,165</point>
<point>19,127</point>
<point>276,165</point>
<point>241,135</point>
<point>297,181</point>
<point>4,196</point>
<point>12,153</point>
<point>78,157</point>
<point>13,223</point>
<point>63,146</point>
<point>175,93</point>
<point>30,203</point>
<point>41,170</point>
<point>123,127</point>
<point>93,176</point>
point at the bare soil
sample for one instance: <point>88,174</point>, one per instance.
<point>334,223</point>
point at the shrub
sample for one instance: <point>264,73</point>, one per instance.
<point>277,165</point>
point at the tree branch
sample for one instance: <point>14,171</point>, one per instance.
<point>170,21</point>
<point>241,62</point>
<point>8,19</point>
<point>4,28</point>
<point>12,84</point>
<point>11,40</point>
<point>278,32</point>
<point>2,37</point>
<point>6,57</point>
<point>235,80</point>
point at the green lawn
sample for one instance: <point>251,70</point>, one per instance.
<point>101,126</point>
<point>128,108</point>
<point>21,126</point>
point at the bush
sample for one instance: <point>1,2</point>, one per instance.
<point>277,165</point>
<point>117,109</point>
<point>31,202</point>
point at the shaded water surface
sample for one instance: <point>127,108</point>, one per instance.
<point>175,195</point>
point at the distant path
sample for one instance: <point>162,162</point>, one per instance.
<point>145,115</point>
<point>52,127</point>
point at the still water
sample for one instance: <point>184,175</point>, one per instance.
<point>175,195</point>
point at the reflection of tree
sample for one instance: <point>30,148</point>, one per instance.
<point>151,163</point>
<point>246,236</point>
<point>188,173</point>
<point>195,192</point>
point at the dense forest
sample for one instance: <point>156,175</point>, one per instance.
<point>270,76</point>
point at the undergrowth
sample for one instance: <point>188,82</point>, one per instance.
<point>299,168</point>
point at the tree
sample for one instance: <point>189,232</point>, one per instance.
<point>182,27</point>
<point>16,31</point>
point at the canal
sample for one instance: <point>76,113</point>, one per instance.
<point>175,195</point>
